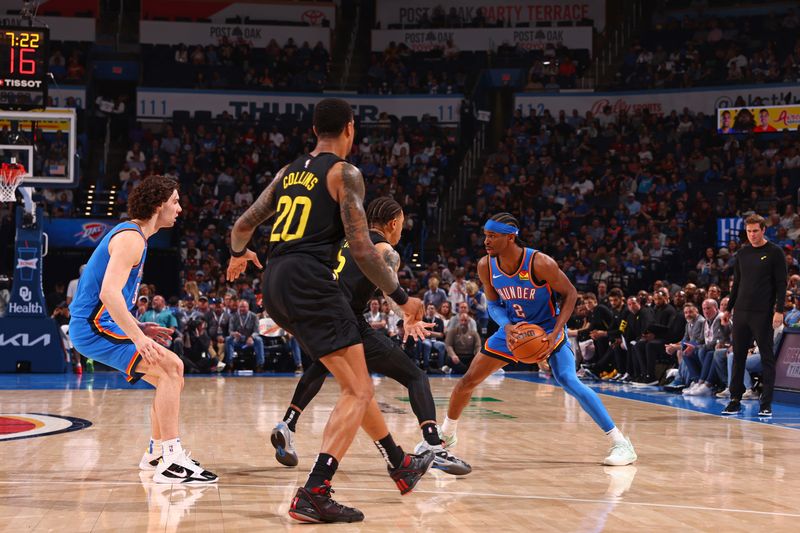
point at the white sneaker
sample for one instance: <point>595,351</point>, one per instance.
<point>621,454</point>
<point>703,390</point>
<point>150,461</point>
<point>724,394</point>
<point>220,367</point>
<point>183,470</point>
<point>447,370</point>
<point>444,460</point>
<point>450,440</point>
<point>750,394</point>
<point>691,390</point>
<point>282,440</point>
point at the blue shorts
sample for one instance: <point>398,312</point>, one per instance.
<point>495,346</point>
<point>105,341</point>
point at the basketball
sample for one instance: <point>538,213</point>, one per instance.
<point>531,344</point>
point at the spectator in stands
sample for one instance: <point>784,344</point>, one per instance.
<point>434,295</point>
<point>689,344</point>
<point>243,329</point>
<point>433,343</point>
<point>462,345</point>
<point>72,286</point>
<point>217,320</point>
<point>651,350</point>
<point>198,359</point>
<point>376,319</point>
<point>478,307</point>
<point>699,361</point>
<point>458,289</point>
<point>162,316</point>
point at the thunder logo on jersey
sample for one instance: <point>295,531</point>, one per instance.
<point>526,301</point>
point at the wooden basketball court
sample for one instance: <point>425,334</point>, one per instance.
<point>535,456</point>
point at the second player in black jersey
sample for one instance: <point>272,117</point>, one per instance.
<point>385,218</point>
<point>318,201</point>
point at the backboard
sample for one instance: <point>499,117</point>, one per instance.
<point>44,142</point>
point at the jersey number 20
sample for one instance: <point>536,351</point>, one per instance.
<point>287,213</point>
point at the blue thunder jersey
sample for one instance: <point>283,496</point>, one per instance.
<point>87,302</point>
<point>525,298</point>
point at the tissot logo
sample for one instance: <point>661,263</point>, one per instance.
<point>31,84</point>
<point>24,340</point>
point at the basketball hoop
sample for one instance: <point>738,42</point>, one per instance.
<point>11,175</point>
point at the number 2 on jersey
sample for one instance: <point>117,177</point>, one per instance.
<point>287,212</point>
<point>520,312</point>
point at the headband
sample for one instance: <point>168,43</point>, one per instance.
<point>499,227</point>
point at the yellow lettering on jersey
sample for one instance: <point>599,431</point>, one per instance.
<point>304,178</point>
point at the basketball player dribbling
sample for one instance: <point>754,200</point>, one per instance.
<point>319,202</point>
<point>521,286</point>
<point>102,327</point>
<point>385,218</point>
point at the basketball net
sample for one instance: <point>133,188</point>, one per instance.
<point>11,175</point>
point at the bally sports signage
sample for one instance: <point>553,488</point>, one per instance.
<point>478,39</point>
<point>511,13</point>
<point>161,103</point>
<point>194,33</point>
<point>659,102</point>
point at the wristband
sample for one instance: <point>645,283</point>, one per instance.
<point>237,254</point>
<point>399,295</point>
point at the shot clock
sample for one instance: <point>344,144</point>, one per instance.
<point>23,67</point>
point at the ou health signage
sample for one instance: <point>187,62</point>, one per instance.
<point>659,102</point>
<point>161,103</point>
<point>478,39</point>
<point>406,12</point>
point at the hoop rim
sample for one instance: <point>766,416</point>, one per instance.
<point>11,177</point>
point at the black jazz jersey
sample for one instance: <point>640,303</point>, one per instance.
<point>307,219</point>
<point>357,288</point>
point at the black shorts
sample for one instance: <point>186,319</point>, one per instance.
<point>301,296</point>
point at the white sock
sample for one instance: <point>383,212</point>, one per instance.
<point>171,450</point>
<point>616,436</point>
<point>155,444</point>
<point>449,426</point>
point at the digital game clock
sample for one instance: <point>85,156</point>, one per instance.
<point>23,67</point>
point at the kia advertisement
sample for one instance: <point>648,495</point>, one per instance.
<point>87,233</point>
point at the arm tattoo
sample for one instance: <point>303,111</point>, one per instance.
<point>392,258</point>
<point>262,209</point>
<point>355,230</point>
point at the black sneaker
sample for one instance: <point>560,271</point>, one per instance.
<point>734,408</point>
<point>765,411</point>
<point>411,470</point>
<point>316,506</point>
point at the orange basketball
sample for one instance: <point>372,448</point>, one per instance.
<point>530,344</point>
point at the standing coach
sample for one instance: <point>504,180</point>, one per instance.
<point>757,297</point>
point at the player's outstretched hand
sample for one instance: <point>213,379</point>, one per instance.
<point>150,351</point>
<point>416,330</point>
<point>238,265</point>
<point>161,335</point>
<point>412,316</point>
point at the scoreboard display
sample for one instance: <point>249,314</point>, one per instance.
<point>23,67</point>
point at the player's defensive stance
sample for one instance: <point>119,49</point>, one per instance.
<point>102,327</point>
<point>385,219</point>
<point>319,200</point>
<point>521,286</point>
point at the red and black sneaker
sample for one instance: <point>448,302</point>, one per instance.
<point>316,505</point>
<point>411,470</point>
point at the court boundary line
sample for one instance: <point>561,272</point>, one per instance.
<point>432,492</point>
<point>658,404</point>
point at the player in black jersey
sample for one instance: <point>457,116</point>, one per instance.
<point>319,199</point>
<point>385,218</point>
